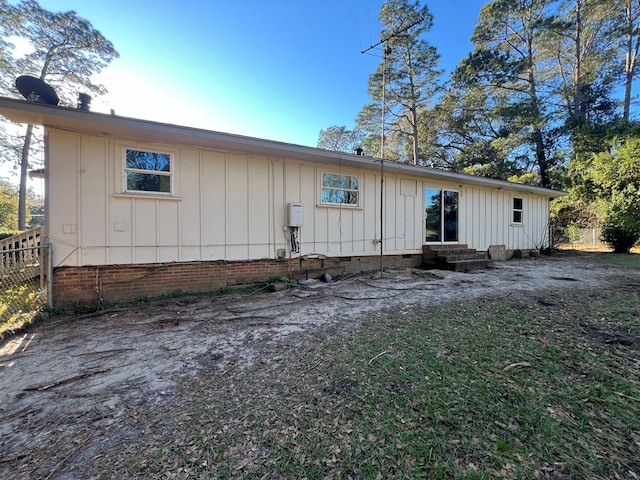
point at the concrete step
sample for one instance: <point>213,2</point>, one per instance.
<point>459,258</point>
<point>469,265</point>
<point>435,252</point>
<point>446,246</point>
<point>467,255</point>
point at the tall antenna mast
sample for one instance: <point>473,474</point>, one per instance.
<point>394,34</point>
<point>385,53</point>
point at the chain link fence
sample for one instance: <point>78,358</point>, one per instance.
<point>577,238</point>
<point>25,284</point>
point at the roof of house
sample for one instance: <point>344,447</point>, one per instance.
<point>82,121</point>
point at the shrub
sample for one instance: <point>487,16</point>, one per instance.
<point>573,233</point>
<point>4,235</point>
<point>619,236</point>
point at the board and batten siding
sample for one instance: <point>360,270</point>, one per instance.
<point>486,219</point>
<point>230,206</point>
<point>225,206</point>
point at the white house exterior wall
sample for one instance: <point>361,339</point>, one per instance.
<point>231,206</point>
<point>478,205</point>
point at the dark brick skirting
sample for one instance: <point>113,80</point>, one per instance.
<point>122,283</point>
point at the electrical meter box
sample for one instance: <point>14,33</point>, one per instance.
<point>294,214</point>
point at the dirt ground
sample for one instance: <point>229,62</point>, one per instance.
<point>76,388</point>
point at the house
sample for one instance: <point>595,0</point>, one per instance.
<point>140,208</point>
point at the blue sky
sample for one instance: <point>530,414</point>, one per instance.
<point>281,70</point>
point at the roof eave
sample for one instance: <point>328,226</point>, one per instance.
<point>82,121</point>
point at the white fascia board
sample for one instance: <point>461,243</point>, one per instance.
<point>86,122</point>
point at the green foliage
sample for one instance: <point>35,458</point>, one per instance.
<point>610,181</point>
<point>529,178</point>
<point>19,307</point>
<point>621,234</point>
<point>602,181</point>
<point>501,82</point>
<point>339,139</point>
<point>8,207</point>
<point>538,90</point>
<point>8,68</point>
<point>573,233</point>
<point>20,297</point>
<point>407,78</point>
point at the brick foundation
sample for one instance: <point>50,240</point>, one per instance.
<point>121,283</point>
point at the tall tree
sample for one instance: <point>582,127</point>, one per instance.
<point>7,61</point>
<point>8,71</point>
<point>339,139</point>
<point>629,32</point>
<point>577,38</point>
<point>507,60</point>
<point>471,133</point>
<point>67,51</point>
<point>407,78</point>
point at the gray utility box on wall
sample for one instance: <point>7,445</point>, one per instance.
<point>294,215</point>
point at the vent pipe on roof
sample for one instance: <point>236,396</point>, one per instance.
<point>358,151</point>
<point>84,101</point>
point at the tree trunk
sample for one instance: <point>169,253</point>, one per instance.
<point>541,158</point>
<point>578,107</point>
<point>538,139</point>
<point>628,81</point>
<point>414,134</point>
<point>631,58</point>
<point>24,169</point>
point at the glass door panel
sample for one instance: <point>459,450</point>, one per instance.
<point>433,214</point>
<point>441,215</point>
<point>450,215</point>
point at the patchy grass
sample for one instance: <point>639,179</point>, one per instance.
<point>606,257</point>
<point>624,260</point>
<point>20,306</point>
<point>539,386</point>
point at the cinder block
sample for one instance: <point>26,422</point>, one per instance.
<point>498,253</point>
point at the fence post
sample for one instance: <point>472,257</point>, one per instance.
<point>49,262</point>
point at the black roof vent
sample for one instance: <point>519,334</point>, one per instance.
<point>358,151</point>
<point>84,101</point>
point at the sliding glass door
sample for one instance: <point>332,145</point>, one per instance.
<point>441,215</point>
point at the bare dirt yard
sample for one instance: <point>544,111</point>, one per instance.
<point>79,394</point>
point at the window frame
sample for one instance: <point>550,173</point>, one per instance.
<point>357,190</point>
<point>170,173</point>
<point>519,211</point>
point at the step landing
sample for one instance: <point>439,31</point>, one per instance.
<point>458,258</point>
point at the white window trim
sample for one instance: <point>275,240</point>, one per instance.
<point>123,191</point>
<point>521,210</point>
<point>341,205</point>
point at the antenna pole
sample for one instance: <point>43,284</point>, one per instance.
<point>394,34</point>
<point>386,51</point>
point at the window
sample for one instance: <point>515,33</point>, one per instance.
<point>340,189</point>
<point>517,210</point>
<point>147,171</point>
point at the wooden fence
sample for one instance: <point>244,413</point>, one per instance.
<point>21,250</point>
